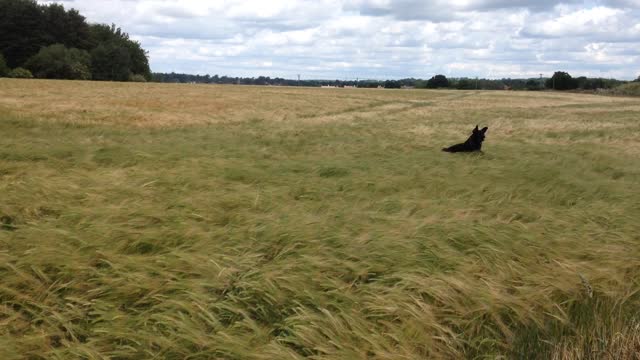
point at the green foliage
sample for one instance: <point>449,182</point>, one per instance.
<point>115,55</point>
<point>58,62</point>
<point>438,81</point>
<point>392,84</point>
<point>4,69</point>
<point>27,27</point>
<point>22,30</point>
<point>20,73</point>
<point>65,27</point>
<point>630,89</point>
<point>139,59</point>
<point>465,84</point>
<point>561,81</point>
<point>420,84</point>
<point>533,84</point>
<point>137,78</point>
<point>110,62</point>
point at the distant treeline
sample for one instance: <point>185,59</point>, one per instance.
<point>47,41</point>
<point>559,81</point>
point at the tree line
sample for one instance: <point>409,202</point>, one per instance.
<point>47,41</point>
<point>559,81</point>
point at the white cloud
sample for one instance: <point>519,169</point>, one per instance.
<point>583,22</point>
<point>380,38</point>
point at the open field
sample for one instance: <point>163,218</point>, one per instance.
<point>226,222</point>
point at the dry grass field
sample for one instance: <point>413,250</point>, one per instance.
<point>156,221</point>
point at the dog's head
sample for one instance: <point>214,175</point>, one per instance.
<point>478,134</point>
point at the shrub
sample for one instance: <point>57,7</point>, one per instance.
<point>137,78</point>
<point>20,73</point>
<point>58,62</point>
<point>630,89</point>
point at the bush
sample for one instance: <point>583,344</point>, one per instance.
<point>630,89</point>
<point>4,69</point>
<point>137,78</point>
<point>20,73</point>
<point>58,62</point>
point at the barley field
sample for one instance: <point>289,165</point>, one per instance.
<point>158,221</point>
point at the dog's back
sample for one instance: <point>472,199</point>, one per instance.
<point>456,148</point>
<point>473,143</point>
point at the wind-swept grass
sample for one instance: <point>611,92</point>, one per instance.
<point>173,221</point>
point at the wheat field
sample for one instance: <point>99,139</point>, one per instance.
<point>161,221</point>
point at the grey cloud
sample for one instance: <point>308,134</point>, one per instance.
<point>441,10</point>
<point>629,4</point>
<point>175,12</point>
<point>436,10</point>
<point>535,5</point>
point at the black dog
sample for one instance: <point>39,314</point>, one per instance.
<point>473,143</point>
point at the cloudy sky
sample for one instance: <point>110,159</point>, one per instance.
<point>380,39</point>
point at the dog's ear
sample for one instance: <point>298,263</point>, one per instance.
<point>476,129</point>
<point>484,129</point>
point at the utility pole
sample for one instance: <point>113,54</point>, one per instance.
<point>476,83</point>
<point>541,82</point>
<point>298,80</point>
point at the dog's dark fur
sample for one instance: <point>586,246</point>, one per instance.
<point>473,143</point>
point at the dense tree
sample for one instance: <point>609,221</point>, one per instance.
<point>139,59</point>
<point>420,84</point>
<point>22,29</point>
<point>561,81</point>
<point>514,84</point>
<point>392,84</point>
<point>20,73</point>
<point>585,83</point>
<point>26,27</point>
<point>4,69</point>
<point>532,84</point>
<point>65,27</point>
<point>465,84</point>
<point>58,62</point>
<point>136,59</point>
<point>438,81</point>
<point>110,62</point>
